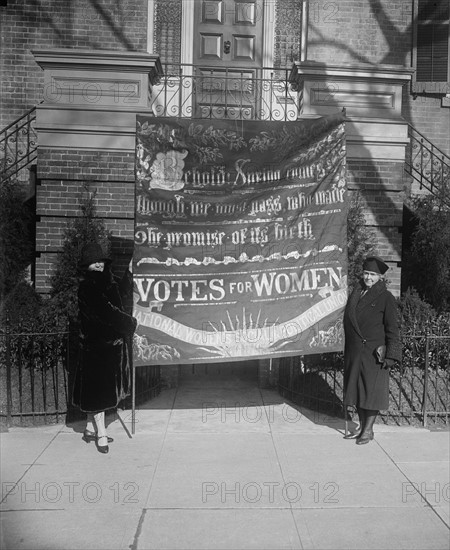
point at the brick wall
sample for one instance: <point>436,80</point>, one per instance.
<point>80,165</point>
<point>85,24</point>
<point>359,31</point>
<point>61,176</point>
<point>427,115</point>
<point>49,234</point>
<point>381,188</point>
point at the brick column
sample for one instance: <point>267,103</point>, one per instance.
<point>86,133</point>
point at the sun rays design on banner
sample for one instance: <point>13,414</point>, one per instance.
<point>248,336</point>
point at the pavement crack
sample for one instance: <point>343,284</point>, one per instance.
<point>34,463</point>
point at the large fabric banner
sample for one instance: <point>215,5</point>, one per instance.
<point>240,239</point>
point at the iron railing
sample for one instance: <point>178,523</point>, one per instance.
<point>419,387</point>
<point>34,366</point>
<point>37,372</point>
<point>233,93</point>
<point>18,145</point>
<point>428,165</point>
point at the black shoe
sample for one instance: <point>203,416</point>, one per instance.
<point>364,438</point>
<point>102,448</point>
<point>89,436</point>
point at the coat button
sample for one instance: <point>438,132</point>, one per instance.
<point>364,341</point>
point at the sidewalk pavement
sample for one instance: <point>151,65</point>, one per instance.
<point>224,466</point>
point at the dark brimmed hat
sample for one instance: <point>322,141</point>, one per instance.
<point>375,264</point>
<point>92,253</point>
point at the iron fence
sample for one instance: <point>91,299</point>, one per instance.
<point>37,372</point>
<point>34,367</point>
<point>419,387</point>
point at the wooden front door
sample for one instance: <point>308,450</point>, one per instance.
<point>228,57</point>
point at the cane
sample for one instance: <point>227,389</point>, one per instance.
<point>345,412</point>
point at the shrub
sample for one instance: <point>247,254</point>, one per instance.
<point>64,282</point>
<point>427,262</point>
<point>16,243</point>
<point>361,240</point>
<point>419,320</point>
<point>21,307</point>
<point>26,312</point>
<point>21,304</point>
<point>418,317</point>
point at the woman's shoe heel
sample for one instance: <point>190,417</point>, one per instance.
<point>89,436</point>
<point>102,448</point>
<point>365,438</point>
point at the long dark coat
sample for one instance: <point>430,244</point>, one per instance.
<point>369,321</point>
<point>102,379</point>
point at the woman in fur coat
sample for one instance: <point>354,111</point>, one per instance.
<point>102,379</point>
<point>372,345</point>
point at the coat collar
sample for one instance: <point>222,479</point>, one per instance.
<point>101,279</point>
<point>356,302</point>
<point>371,294</point>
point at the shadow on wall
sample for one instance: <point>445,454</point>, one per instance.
<point>397,32</point>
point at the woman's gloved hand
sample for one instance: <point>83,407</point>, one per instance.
<point>388,363</point>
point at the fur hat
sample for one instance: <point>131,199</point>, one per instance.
<point>375,264</point>
<point>92,253</point>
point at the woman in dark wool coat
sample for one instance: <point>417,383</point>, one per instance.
<point>372,345</point>
<point>102,379</point>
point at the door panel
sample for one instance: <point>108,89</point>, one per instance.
<point>212,11</point>
<point>233,22</point>
<point>228,39</point>
<point>211,45</point>
<point>244,48</point>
